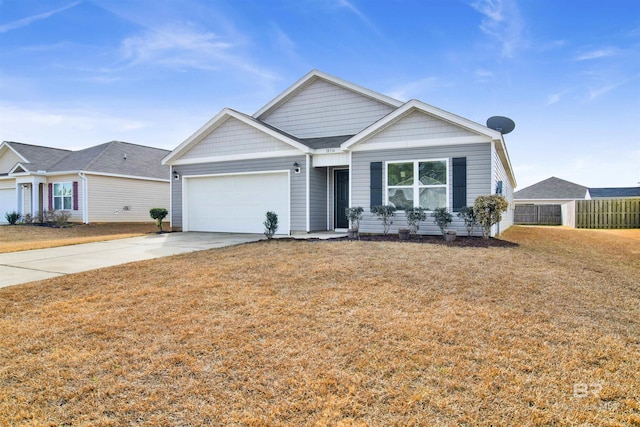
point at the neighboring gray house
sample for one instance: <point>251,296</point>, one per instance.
<point>325,144</point>
<point>614,193</point>
<point>111,182</point>
<point>551,191</point>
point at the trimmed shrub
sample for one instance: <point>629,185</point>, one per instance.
<point>442,217</point>
<point>270,224</point>
<point>488,211</point>
<point>384,213</point>
<point>158,214</point>
<point>414,217</point>
<point>469,217</point>
<point>354,215</point>
<point>12,217</point>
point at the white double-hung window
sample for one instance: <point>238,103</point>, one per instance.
<point>418,183</point>
<point>62,195</point>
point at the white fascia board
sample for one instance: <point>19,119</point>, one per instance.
<point>506,161</point>
<point>415,105</point>
<point>113,175</point>
<point>218,120</point>
<point>431,142</point>
<point>235,157</point>
<point>314,74</point>
<point>6,145</point>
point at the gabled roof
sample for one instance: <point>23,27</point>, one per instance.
<point>36,157</point>
<point>552,188</point>
<point>415,105</point>
<point>115,157</point>
<point>613,192</point>
<point>219,119</point>
<point>312,76</point>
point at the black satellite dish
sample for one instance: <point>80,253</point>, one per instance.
<point>504,125</point>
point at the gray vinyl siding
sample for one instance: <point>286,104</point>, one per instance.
<point>234,137</point>
<point>297,182</point>
<point>76,215</point>
<point>500,174</point>
<point>318,199</point>
<point>324,109</point>
<point>478,180</point>
<point>417,126</point>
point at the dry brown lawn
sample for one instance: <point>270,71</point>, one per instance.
<point>15,238</point>
<point>335,333</point>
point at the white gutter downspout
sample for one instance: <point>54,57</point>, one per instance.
<point>85,198</point>
<point>308,187</point>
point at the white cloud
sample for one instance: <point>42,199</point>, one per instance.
<point>483,76</point>
<point>30,19</point>
<point>503,22</point>
<point>597,54</point>
<point>348,5</point>
<point>414,89</point>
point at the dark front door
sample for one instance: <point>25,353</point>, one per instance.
<point>341,198</point>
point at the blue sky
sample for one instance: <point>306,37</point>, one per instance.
<point>74,74</point>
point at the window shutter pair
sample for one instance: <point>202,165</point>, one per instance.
<point>75,196</point>
<point>459,183</point>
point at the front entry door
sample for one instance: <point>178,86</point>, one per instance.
<point>341,198</point>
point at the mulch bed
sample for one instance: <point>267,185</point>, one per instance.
<point>461,241</point>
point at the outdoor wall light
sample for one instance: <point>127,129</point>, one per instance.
<point>175,175</point>
<point>296,167</point>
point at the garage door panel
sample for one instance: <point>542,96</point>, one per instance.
<point>236,203</point>
<point>7,203</point>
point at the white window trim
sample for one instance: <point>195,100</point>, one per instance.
<point>416,174</point>
<point>53,195</point>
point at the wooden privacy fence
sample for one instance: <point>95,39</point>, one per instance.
<point>538,215</point>
<point>608,213</point>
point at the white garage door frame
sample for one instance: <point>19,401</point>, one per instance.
<point>188,179</point>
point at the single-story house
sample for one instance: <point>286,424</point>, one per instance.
<point>111,182</point>
<point>325,144</point>
<point>551,191</point>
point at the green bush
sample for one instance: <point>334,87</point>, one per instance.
<point>384,213</point>
<point>488,211</point>
<point>158,214</point>
<point>270,224</point>
<point>414,217</point>
<point>469,217</point>
<point>442,217</point>
<point>354,215</point>
<point>12,217</point>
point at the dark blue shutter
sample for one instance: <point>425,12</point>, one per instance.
<point>376,184</point>
<point>459,183</point>
<point>50,196</point>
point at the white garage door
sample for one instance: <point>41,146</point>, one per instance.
<point>236,203</point>
<point>7,203</point>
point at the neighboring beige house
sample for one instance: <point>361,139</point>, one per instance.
<point>112,182</point>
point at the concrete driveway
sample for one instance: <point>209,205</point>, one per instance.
<point>39,264</point>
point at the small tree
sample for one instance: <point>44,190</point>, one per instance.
<point>354,215</point>
<point>158,214</point>
<point>488,211</point>
<point>469,217</point>
<point>414,217</point>
<point>442,217</point>
<point>385,213</point>
<point>270,224</point>
<point>12,217</point>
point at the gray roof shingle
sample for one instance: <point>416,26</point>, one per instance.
<point>115,157</point>
<point>552,188</point>
<point>613,192</point>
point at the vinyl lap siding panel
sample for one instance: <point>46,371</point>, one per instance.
<point>478,180</point>
<point>108,197</point>
<point>417,126</point>
<point>318,199</point>
<point>323,109</point>
<point>234,137</point>
<point>500,174</point>
<point>297,190</point>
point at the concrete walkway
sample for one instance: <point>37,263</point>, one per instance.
<point>40,264</point>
